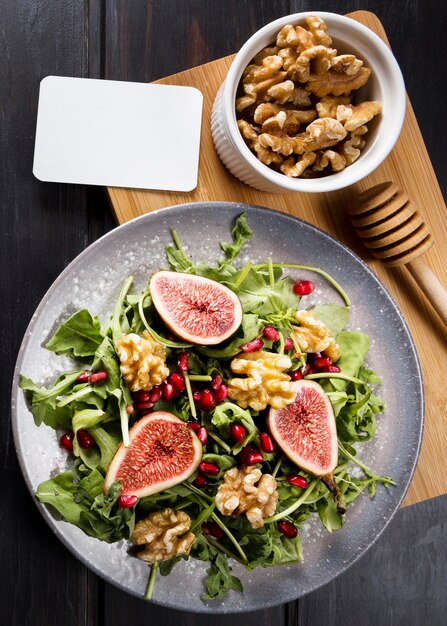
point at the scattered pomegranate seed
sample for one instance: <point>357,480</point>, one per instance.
<point>213,529</point>
<point>332,368</point>
<point>303,288</point>
<point>252,346</point>
<point>84,377</point>
<point>308,369</point>
<point>250,455</point>
<point>97,377</point>
<point>199,481</point>
<point>207,401</point>
<point>321,362</point>
<point>130,409</point>
<point>311,356</point>
<point>85,440</point>
<point>126,502</point>
<point>168,391</point>
<point>143,406</point>
<point>238,432</point>
<point>211,469</point>
<point>288,344</point>
<point>141,396</point>
<point>196,396</point>
<point>295,375</point>
<point>66,441</point>
<point>221,393</point>
<point>288,529</point>
<point>183,361</point>
<point>267,443</point>
<point>270,333</point>
<point>195,426</point>
<point>216,382</point>
<point>202,435</point>
<point>178,381</point>
<point>155,395</point>
<point>298,481</point>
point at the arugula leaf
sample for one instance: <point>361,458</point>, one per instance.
<point>330,517</point>
<point>107,360</point>
<point>43,401</point>
<point>333,315</point>
<point>79,336</point>
<point>240,234</point>
<point>354,347</point>
<point>220,579</point>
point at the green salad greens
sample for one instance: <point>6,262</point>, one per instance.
<point>92,409</point>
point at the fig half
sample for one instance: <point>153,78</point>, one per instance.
<point>305,430</point>
<point>196,309</point>
<point>163,452</point>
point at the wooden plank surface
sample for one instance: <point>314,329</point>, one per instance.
<point>410,167</point>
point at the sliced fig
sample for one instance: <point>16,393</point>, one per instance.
<point>305,430</point>
<point>163,452</point>
<point>196,309</point>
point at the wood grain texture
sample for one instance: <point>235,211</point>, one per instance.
<point>328,212</point>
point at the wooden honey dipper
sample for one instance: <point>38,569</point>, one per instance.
<point>390,226</point>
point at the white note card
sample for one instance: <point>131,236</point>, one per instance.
<point>118,134</point>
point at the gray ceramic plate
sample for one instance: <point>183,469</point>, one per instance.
<point>93,280</point>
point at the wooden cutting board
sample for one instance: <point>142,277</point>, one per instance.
<point>409,166</point>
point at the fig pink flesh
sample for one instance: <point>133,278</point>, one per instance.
<point>197,309</point>
<point>163,452</point>
<point>305,430</point>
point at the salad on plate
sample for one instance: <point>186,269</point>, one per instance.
<point>211,415</point>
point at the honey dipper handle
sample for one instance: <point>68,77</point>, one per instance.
<point>430,285</point>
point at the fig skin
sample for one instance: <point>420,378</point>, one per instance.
<point>163,430</point>
<point>310,398</point>
<point>210,327</point>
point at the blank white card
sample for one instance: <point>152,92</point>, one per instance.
<point>118,134</point>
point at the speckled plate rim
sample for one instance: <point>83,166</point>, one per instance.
<point>419,418</point>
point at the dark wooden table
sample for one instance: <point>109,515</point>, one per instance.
<point>402,579</point>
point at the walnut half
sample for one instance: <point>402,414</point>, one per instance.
<point>164,534</point>
<point>247,490</point>
<point>142,361</point>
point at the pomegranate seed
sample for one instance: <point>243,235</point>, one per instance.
<point>84,377</point>
<point>332,368</point>
<point>298,481</point>
<point>250,455</point>
<point>168,391</point>
<point>143,406</point>
<point>141,396</point>
<point>288,344</point>
<point>270,333</point>
<point>311,356</point>
<point>177,381</point>
<point>155,395</point>
<point>321,362</point>
<point>66,441</point>
<point>238,432</point>
<point>211,469</point>
<point>195,426</point>
<point>267,443</point>
<point>85,440</point>
<point>288,529</point>
<point>207,401</point>
<point>199,481</point>
<point>197,395</point>
<point>126,502</point>
<point>216,382</point>
<point>303,288</point>
<point>183,361</point>
<point>221,393</point>
<point>253,346</point>
<point>202,435</point>
<point>295,375</point>
<point>213,529</point>
<point>130,409</point>
<point>97,377</point>
<point>308,369</point>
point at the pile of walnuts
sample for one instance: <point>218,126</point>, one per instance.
<point>295,107</point>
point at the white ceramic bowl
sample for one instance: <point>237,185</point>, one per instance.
<point>385,85</point>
